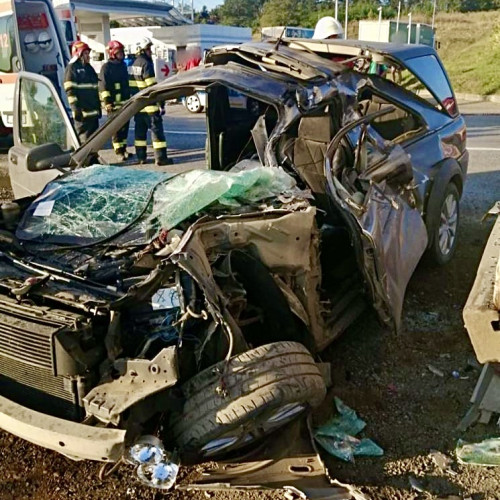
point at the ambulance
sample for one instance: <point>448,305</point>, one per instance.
<point>31,39</point>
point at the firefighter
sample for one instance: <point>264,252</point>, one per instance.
<point>141,76</point>
<point>114,91</point>
<point>80,84</point>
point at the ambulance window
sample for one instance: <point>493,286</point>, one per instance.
<point>68,31</point>
<point>7,46</point>
<point>41,119</point>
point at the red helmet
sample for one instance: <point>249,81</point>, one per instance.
<point>114,46</point>
<point>78,48</point>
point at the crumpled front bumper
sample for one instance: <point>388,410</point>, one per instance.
<point>75,440</point>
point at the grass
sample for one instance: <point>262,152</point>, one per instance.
<point>470,50</point>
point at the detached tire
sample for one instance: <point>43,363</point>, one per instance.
<point>444,239</point>
<point>229,405</point>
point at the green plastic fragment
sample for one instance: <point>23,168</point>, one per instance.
<point>486,452</point>
<point>347,422</point>
<point>337,435</point>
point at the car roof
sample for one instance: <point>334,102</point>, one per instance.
<point>402,51</point>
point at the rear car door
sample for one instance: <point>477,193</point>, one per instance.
<point>43,135</point>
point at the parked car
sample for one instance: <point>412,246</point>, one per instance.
<point>200,300</point>
<point>197,102</point>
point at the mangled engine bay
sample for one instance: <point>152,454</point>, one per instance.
<point>98,317</point>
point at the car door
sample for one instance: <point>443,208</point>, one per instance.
<point>375,195</point>
<point>43,135</point>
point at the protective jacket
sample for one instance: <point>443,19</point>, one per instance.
<point>141,76</point>
<point>113,84</point>
<point>80,84</point>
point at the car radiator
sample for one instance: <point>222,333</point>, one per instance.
<point>46,356</point>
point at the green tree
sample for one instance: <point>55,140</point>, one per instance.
<point>287,13</point>
<point>202,17</point>
<point>240,12</point>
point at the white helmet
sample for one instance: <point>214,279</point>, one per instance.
<point>328,27</point>
<point>143,44</point>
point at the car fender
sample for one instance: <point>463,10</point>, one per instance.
<point>445,171</point>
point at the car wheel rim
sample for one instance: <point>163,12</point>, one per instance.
<point>285,414</point>
<point>448,225</point>
<point>278,417</point>
<point>219,444</point>
<point>193,103</point>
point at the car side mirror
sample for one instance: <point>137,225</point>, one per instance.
<point>46,157</point>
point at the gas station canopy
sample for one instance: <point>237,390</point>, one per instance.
<point>128,12</point>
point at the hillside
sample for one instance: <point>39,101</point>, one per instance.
<point>470,50</point>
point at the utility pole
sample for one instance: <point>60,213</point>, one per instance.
<point>192,10</point>
<point>409,27</point>
<point>337,9</point>
<point>399,15</point>
<point>434,13</point>
<point>379,21</point>
<point>346,17</point>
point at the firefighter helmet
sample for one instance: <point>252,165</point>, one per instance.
<point>328,27</point>
<point>114,46</point>
<point>78,48</point>
<point>143,44</point>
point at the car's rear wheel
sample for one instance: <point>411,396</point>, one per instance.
<point>234,403</point>
<point>444,239</point>
<point>193,104</point>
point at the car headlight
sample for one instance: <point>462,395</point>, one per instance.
<point>155,467</point>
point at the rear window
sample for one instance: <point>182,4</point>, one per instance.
<point>7,47</point>
<point>431,73</point>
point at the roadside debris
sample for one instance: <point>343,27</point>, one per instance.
<point>486,452</point>
<point>155,467</point>
<point>337,435</point>
<point>443,462</point>
<point>435,370</point>
<point>417,485</point>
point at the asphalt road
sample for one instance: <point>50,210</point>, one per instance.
<point>186,134</point>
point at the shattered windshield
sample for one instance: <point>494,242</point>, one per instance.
<point>102,203</point>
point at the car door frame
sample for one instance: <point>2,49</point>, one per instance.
<point>25,182</point>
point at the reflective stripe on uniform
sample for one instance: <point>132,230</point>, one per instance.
<point>105,93</point>
<point>150,109</point>
<point>118,145</point>
<point>140,143</point>
<point>150,81</point>
<point>118,97</point>
<point>89,114</point>
<point>137,83</point>
<point>74,85</point>
<point>159,144</point>
<point>118,86</point>
<point>72,99</point>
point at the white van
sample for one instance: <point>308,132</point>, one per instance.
<point>31,39</point>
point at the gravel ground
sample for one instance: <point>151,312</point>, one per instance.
<point>410,411</point>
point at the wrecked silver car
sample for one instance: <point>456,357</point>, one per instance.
<point>191,306</point>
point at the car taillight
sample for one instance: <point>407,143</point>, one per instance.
<point>450,105</point>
